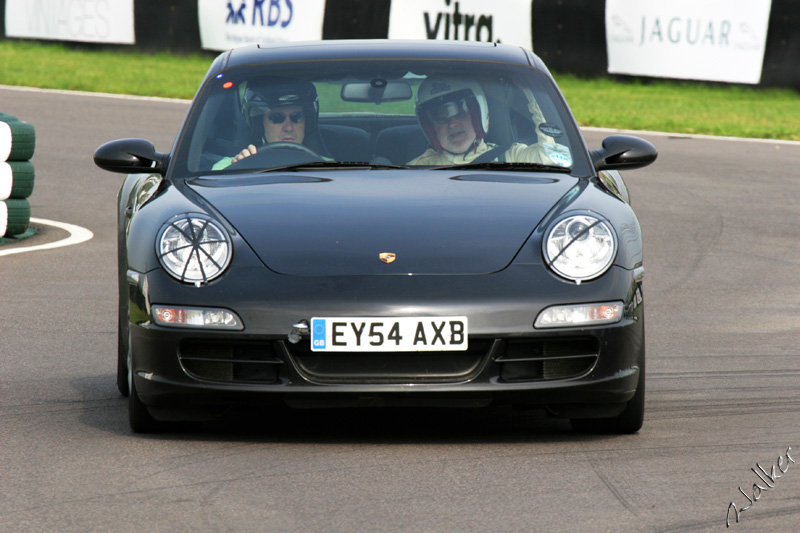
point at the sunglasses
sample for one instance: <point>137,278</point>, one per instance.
<point>279,118</point>
<point>448,111</point>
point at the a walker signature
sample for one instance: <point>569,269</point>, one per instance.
<point>758,489</point>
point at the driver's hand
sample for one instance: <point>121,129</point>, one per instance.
<point>250,150</point>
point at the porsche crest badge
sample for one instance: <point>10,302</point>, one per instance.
<point>387,257</point>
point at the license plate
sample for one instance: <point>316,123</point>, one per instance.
<point>388,334</point>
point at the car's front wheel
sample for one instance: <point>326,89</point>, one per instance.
<point>122,356</point>
<point>629,421</point>
<point>140,419</point>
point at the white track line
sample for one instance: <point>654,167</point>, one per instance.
<point>678,135</point>
<point>96,95</point>
<point>77,235</point>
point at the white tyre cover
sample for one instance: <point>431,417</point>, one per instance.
<point>5,141</point>
<point>6,179</point>
<point>3,218</point>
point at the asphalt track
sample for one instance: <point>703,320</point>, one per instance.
<point>721,220</point>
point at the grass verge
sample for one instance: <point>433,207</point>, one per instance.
<point>655,105</point>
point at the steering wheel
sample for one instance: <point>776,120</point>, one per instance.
<point>264,152</point>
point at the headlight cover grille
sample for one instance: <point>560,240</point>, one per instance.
<point>192,248</point>
<point>580,247</point>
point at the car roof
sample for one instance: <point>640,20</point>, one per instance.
<point>356,49</point>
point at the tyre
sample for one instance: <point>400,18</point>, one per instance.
<point>122,376</point>
<point>5,141</point>
<point>629,421</point>
<point>139,418</point>
<point>15,217</point>
<point>17,141</point>
<point>16,179</point>
<point>122,356</point>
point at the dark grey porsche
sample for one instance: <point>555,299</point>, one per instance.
<point>380,223</point>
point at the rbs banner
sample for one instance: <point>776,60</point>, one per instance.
<point>712,40</point>
<point>232,23</point>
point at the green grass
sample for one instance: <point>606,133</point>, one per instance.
<point>671,106</point>
<point>55,66</point>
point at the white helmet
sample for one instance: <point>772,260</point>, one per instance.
<point>439,99</point>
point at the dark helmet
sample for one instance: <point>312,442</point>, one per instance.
<point>440,99</point>
<point>260,99</point>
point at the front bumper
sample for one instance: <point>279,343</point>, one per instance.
<point>573,372</point>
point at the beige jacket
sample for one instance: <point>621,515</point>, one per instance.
<point>543,153</point>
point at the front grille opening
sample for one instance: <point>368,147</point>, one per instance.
<point>230,362</point>
<point>536,360</point>
<point>391,367</point>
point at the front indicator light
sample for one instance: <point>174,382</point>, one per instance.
<point>562,316</point>
<point>193,317</point>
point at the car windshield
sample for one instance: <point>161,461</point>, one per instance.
<point>376,114</point>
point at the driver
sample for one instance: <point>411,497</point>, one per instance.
<point>283,112</point>
<point>454,115</point>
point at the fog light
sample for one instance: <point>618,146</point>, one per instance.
<point>561,316</point>
<point>190,317</point>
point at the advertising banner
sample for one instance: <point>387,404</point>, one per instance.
<point>506,22</point>
<point>233,23</point>
<point>97,21</point>
<point>712,40</point>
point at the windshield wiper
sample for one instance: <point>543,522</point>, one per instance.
<point>500,165</point>
<point>334,164</point>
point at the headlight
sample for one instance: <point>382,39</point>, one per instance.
<point>193,248</point>
<point>580,247</point>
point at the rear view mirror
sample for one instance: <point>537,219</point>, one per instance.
<point>377,91</point>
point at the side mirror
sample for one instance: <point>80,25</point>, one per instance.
<point>130,156</point>
<point>623,152</point>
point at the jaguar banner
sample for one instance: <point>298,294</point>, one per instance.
<point>712,40</point>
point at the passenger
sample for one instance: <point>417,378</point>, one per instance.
<point>454,115</point>
<point>283,112</point>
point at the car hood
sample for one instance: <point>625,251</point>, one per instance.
<point>339,222</point>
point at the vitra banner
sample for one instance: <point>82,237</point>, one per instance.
<point>233,23</point>
<point>97,21</point>
<point>508,21</point>
<point>712,40</point>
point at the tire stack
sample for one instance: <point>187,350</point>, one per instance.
<point>17,143</point>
